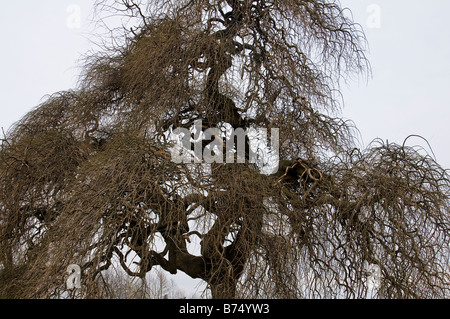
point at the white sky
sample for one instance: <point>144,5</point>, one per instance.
<point>409,92</point>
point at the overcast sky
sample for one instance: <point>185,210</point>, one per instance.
<point>409,92</point>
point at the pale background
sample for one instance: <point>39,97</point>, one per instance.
<point>409,93</point>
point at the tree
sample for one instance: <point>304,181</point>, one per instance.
<point>118,285</point>
<point>87,177</point>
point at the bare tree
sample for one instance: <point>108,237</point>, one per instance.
<point>87,177</point>
<point>116,284</point>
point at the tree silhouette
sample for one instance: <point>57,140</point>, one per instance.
<point>87,177</point>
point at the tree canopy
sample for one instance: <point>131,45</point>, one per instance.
<point>87,177</point>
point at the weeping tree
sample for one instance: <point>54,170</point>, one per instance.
<point>89,178</point>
